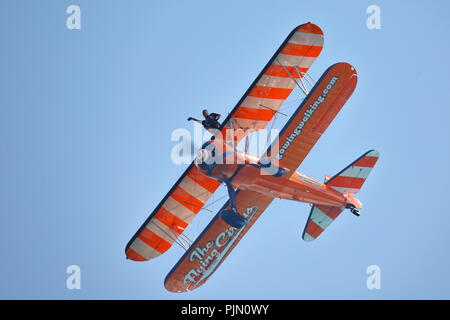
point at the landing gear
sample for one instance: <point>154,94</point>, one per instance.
<point>353,210</point>
<point>232,217</point>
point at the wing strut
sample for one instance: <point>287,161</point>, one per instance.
<point>303,88</point>
<point>184,242</point>
<point>274,111</point>
<point>302,75</point>
<point>269,136</point>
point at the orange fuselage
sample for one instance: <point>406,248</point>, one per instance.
<point>242,171</point>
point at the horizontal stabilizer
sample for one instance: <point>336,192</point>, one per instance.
<point>319,219</point>
<point>351,179</point>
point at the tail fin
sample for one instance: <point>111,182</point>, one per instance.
<point>351,179</point>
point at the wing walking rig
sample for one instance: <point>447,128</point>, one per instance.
<point>253,182</point>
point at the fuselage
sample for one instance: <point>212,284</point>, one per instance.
<point>245,172</point>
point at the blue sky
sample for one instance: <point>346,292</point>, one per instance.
<point>85,125</point>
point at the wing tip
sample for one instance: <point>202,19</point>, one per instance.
<point>130,254</point>
<point>175,286</point>
<point>307,237</point>
<point>373,153</point>
<point>310,28</point>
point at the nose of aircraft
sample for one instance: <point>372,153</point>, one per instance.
<point>205,157</point>
<point>216,160</point>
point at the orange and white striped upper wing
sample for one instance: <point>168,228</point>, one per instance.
<point>172,215</point>
<point>274,84</point>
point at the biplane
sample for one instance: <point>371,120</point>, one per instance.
<point>252,182</point>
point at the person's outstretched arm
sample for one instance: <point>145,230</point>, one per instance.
<point>196,120</point>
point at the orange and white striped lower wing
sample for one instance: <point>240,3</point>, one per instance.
<point>351,179</point>
<point>172,215</point>
<point>274,84</point>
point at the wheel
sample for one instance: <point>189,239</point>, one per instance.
<point>233,219</point>
<point>356,212</point>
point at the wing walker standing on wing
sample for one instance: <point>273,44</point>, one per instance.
<point>211,120</point>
